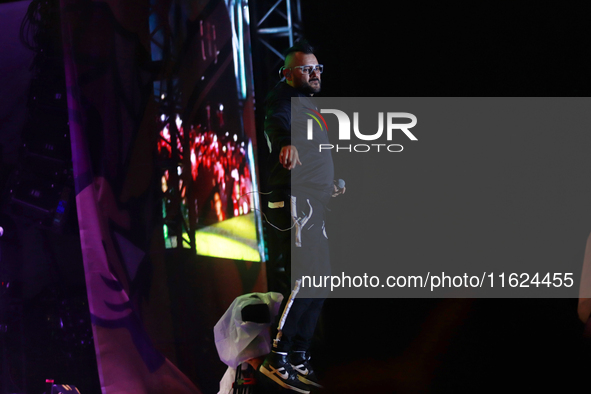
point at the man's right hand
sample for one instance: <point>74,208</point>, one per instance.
<point>289,157</point>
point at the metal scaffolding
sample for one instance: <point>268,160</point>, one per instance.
<point>278,26</point>
<point>291,14</point>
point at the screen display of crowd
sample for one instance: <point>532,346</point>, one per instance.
<point>223,194</point>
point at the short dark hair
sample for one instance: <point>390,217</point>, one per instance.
<point>301,45</point>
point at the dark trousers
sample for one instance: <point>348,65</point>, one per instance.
<point>298,243</point>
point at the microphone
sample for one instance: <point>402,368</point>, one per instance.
<point>340,184</point>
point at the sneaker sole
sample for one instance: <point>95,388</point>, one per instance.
<point>302,379</point>
<point>280,382</point>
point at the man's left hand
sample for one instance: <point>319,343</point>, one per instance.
<point>336,191</point>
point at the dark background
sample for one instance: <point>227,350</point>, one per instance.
<point>451,345</point>
<point>449,50</point>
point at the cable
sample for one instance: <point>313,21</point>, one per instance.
<point>263,213</point>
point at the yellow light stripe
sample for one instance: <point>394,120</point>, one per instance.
<point>219,246</point>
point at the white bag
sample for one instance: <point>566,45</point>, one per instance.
<point>237,341</point>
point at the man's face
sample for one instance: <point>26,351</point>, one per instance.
<point>305,83</point>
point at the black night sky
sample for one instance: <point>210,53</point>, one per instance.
<point>488,49</point>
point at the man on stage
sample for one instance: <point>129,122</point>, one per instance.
<point>302,183</point>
